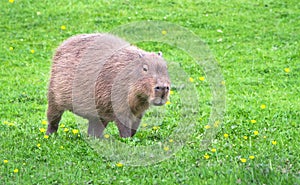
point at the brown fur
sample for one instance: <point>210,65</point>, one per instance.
<point>102,78</point>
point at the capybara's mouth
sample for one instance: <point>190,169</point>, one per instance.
<point>159,102</point>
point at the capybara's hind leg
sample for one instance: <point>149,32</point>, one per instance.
<point>96,127</point>
<point>53,116</point>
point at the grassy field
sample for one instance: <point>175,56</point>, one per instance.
<point>256,45</point>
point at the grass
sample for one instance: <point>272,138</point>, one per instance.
<point>257,50</point>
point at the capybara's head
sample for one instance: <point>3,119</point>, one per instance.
<point>153,83</point>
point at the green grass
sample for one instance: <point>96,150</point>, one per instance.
<point>259,40</point>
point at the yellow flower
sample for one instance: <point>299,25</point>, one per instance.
<point>207,126</point>
<point>44,122</point>
<point>263,106</point>
<point>274,142</point>
<point>61,147</point>
<point>42,130</point>
<point>171,92</point>
<point>265,137</point>
<point>166,148</point>
<point>46,136</point>
<point>11,48</point>
<point>155,127</point>
<point>75,131</point>
<point>226,135</point>
<point>106,136</point>
<point>62,125</point>
<point>253,121</point>
<point>243,160</point>
<point>171,140</point>
<point>191,79</point>
<point>255,132</point>
<point>168,103</point>
<point>164,32</point>
<point>223,83</point>
<point>245,137</point>
<point>144,125</point>
<point>119,165</point>
<point>32,51</point>
<point>216,124</point>
<point>66,130</point>
<point>213,150</point>
<point>251,157</point>
<point>287,70</point>
<point>11,124</point>
<point>5,161</point>
<point>202,78</point>
<point>5,122</point>
<point>16,170</point>
<point>63,27</point>
<point>38,145</point>
<point>206,156</point>
<point>11,1</point>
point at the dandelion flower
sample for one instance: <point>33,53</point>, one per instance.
<point>119,165</point>
<point>38,145</point>
<point>164,32</point>
<point>11,48</point>
<point>11,124</point>
<point>223,83</point>
<point>11,1</point>
<point>32,51</point>
<point>44,122</point>
<point>62,125</point>
<point>251,157</point>
<point>206,156</point>
<point>144,125</point>
<point>63,27</point>
<point>191,79</point>
<point>42,130</point>
<point>202,78</point>
<point>171,92</point>
<point>243,160</point>
<point>226,135</point>
<point>213,150</point>
<point>255,133</point>
<point>155,127</point>
<point>75,131</point>
<point>61,147</point>
<point>274,142</point>
<point>166,148</point>
<point>216,124</point>
<point>106,136</point>
<point>287,70</point>
<point>263,106</point>
<point>171,140</point>
<point>207,126</point>
<point>168,103</point>
<point>253,121</point>
<point>265,137</point>
<point>245,137</point>
<point>5,161</point>
<point>66,129</point>
<point>16,170</point>
<point>46,136</point>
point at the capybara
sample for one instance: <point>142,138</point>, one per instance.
<point>103,78</point>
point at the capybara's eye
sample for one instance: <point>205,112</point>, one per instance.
<point>145,67</point>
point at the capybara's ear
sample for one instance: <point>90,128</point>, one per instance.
<point>160,54</point>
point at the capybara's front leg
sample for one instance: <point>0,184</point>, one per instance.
<point>124,131</point>
<point>96,127</point>
<point>54,117</point>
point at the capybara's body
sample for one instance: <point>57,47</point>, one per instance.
<point>103,78</point>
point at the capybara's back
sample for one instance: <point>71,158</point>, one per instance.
<point>103,78</point>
